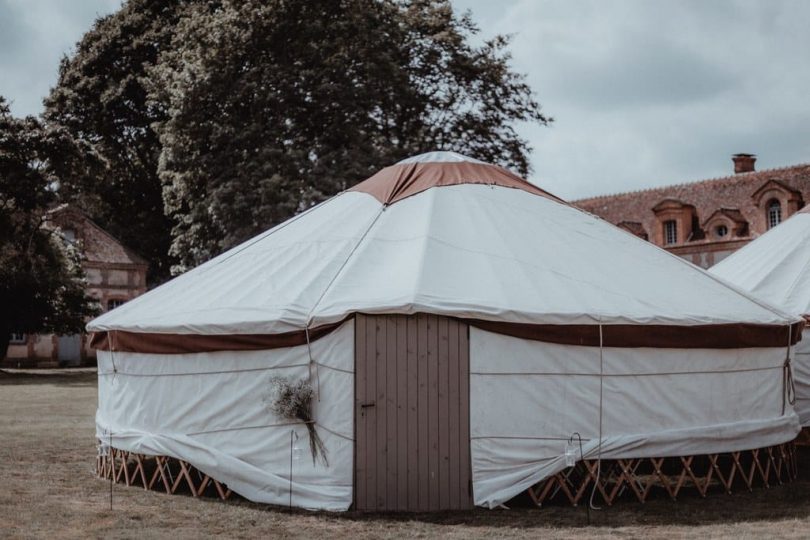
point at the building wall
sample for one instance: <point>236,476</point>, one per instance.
<point>708,254</point>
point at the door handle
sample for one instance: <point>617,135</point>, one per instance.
<point>364,406</point>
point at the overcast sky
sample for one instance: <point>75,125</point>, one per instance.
<point>643,92</point>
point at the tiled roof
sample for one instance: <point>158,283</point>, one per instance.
<point>98,246</point>
<point>633,226</point>
<point>733,193</point>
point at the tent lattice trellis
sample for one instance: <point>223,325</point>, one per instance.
<point>670,476</point>
<point>641,478</point>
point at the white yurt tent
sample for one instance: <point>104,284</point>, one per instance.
<point>776,268</point>
<point>459,325</point>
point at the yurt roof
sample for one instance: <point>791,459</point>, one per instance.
<point>776,266</point>
<point>444,234</point>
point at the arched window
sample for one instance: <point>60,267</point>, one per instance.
<point>774,213</point>
<point>721,231</point>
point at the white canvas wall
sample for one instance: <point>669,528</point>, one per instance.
<point>656,403</point>
<point>210,409</point>
<point>801,378</point>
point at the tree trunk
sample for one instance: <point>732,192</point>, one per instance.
<point>5,338</point>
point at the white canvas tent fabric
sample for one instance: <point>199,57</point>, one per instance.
<point>654,403</point>
<point>469,241</point>
<point>776,268</point>
<point>211,410</point>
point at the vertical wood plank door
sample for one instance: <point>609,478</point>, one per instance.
<point>412,414</point>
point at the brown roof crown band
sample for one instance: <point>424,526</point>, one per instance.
<point>711,336</point>
<point>392,184</point>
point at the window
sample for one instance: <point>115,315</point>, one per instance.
<point>670,232</point>
<point>17,338</point>
<point>69,234</point>
<point>114,303</point>
<point>774,213</point>
<point>721,231</point>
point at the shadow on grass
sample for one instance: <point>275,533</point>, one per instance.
<point>83,377</point>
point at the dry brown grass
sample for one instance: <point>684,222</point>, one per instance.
<point>47,489</point>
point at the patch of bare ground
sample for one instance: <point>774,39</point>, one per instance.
<point>47,489</point>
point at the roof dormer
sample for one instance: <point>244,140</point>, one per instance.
<point>726,224</point>
<point>776,202</point>
<point>676,223</point>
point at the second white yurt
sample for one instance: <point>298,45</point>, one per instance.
<point>776,268</point>
<point>457,327</point>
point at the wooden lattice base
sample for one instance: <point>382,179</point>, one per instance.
<point>671,476</point>
<point>159,473</point>
<point>641,478</point>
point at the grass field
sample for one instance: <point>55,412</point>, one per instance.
<point>47,489</point>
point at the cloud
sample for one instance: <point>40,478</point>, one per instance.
<point>34,35</point>
<point>652,93</point>
<point>643,93</point>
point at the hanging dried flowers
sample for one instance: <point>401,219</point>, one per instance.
<point>293,401</point>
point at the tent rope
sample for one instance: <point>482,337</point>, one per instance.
<point>599,447</point>
<point>788,386</point>
<point>312,362</point>
<point>112,357</point>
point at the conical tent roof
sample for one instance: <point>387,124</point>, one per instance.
<point>776,266</point>
<point>445,234</point>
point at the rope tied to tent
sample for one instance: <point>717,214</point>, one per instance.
<point>599,447</point>
<point>312,363</point>
<point>112,358</point>
<point>788,385</point>
<point>789,388</point>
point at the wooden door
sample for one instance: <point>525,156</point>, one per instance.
<point>412,414</point>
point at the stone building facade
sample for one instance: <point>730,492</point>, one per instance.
<point>114,274</point>
<point>706,221</point>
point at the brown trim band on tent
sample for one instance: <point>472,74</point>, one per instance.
<point>709,336</point>
<point>397,182</point>
<point>152,343</point>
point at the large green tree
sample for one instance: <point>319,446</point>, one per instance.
<point>100,99</point>
<point>275,105</point>
<point>42,286</point>
<point>220,118</point>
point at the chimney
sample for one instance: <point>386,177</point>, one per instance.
<point>743,163</point>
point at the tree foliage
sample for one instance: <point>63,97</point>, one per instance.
<point>42,286</point>
<point>273,106</point>
<point>100,98</point>
<point>221,118</point>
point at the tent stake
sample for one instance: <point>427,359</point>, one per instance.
<point>292,433</point>
<point>110,451</point>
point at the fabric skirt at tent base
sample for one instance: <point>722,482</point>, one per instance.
<point>642,478</point>
<point>645,478</point>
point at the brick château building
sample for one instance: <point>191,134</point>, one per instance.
<point>706,221</point>
<point>114,274</point>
